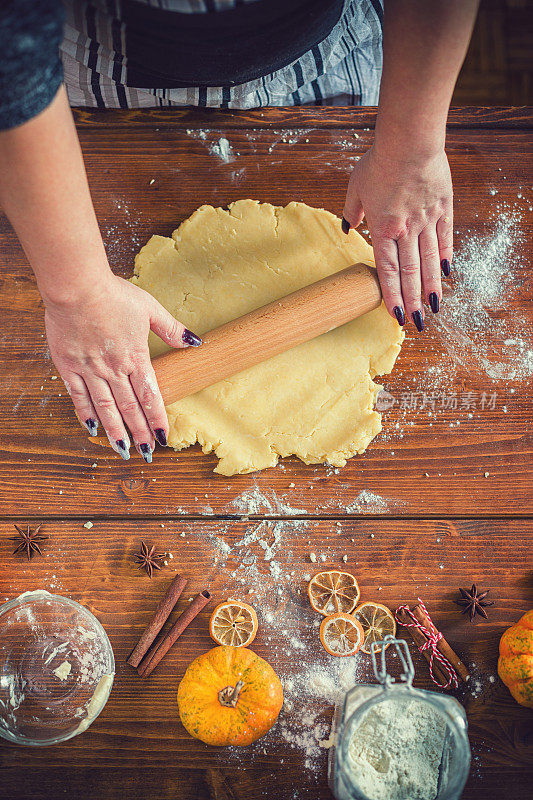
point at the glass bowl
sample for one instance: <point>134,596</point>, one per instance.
<point>56,668</point>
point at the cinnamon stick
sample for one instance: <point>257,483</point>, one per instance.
<point>419,639</point>
<point>162,613</point>
<point>157,651</point>
<point>443,646</point>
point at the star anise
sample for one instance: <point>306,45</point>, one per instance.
<point>29,541</point>
<point>474,602</point>
<point>148,559</point>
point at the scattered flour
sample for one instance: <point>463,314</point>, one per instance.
<point>310,695</point>
<point>371,503</point>
<point>481,683</point>
<point>218,146</point>
<point>287,136</point>
<point>482,342</point>
<point>330,682</point>
<point>223,150</point>
<point>254,501</point>
<point>123,238</point>
<point>197,134</point>
<point>475,324</point>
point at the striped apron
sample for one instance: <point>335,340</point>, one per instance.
<point>342,69</point>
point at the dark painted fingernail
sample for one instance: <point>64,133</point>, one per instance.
<point>445,267</point>
<point>399,314</point>
<point>434,302</point>
<point>91,425</point>
<point>419,322</point>
<point>161,436</point>
<point>122,449</point>
<point>191,338</point>
<point>146,452</point>
<point>345,225</point>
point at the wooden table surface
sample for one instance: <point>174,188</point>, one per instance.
<point>442,498</point>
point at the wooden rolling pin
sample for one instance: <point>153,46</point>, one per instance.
<point>267,331</point>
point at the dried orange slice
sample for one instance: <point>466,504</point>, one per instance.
<point>341,634</point>
<point>333,591</point>
<point>377,621</point>
<point>233,623</point>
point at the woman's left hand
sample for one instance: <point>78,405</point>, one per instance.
<point>408,205</point>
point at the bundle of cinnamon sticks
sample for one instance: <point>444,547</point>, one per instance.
<point>148,652</point>
<point>420,639</point>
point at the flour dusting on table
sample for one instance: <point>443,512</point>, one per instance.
<point>477,323</point>
<point>255,501</point>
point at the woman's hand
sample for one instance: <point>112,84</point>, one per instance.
<point>408,205</point>
<point>99,344</point>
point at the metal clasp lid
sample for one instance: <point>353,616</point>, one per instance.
<point>381,672</point>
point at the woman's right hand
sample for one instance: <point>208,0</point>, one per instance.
<point>407,199</point>
<point>99,344</point>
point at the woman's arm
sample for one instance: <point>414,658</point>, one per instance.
<point>403,184</point>
<point>97,324</point>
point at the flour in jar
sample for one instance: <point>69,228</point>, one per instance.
<point>396,750</point>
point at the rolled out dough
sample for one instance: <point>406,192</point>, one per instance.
<point>316,400</point>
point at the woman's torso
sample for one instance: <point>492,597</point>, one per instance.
<point>222,53</point>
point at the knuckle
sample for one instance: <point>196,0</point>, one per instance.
<point>172,329</point>
<point>147,397</point>
<point>435,212</point>
<point>429,253</point>
<point>118,369</point>
<point>77,394</point>
<point>416,224</point>
<point>146,386</point>
<point>129,406</point>
<point>388,269</point>
<point>71,363</point>
<point>410,268</point>
<point>393,229</point>
<point>104,403</point>
<point>389,283</point>
<point>92,362</point>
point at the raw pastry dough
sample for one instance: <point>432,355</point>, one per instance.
<point>315,400</point>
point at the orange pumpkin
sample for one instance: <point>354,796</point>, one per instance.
<point>515,664</point>
<point>229,696</point>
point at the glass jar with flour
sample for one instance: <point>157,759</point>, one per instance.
<point>395,742</point>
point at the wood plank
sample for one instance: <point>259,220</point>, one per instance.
<point>287,117</point>
<point>426,462</point>
<point>138,736</point>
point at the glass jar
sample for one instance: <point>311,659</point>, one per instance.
<point>454,756</point>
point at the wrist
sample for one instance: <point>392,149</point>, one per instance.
<point>406,156</point>
<point>407,148</point>
<point>83,287</point>
<point>418,140</point>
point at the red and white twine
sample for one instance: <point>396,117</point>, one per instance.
<point>433,637</point>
